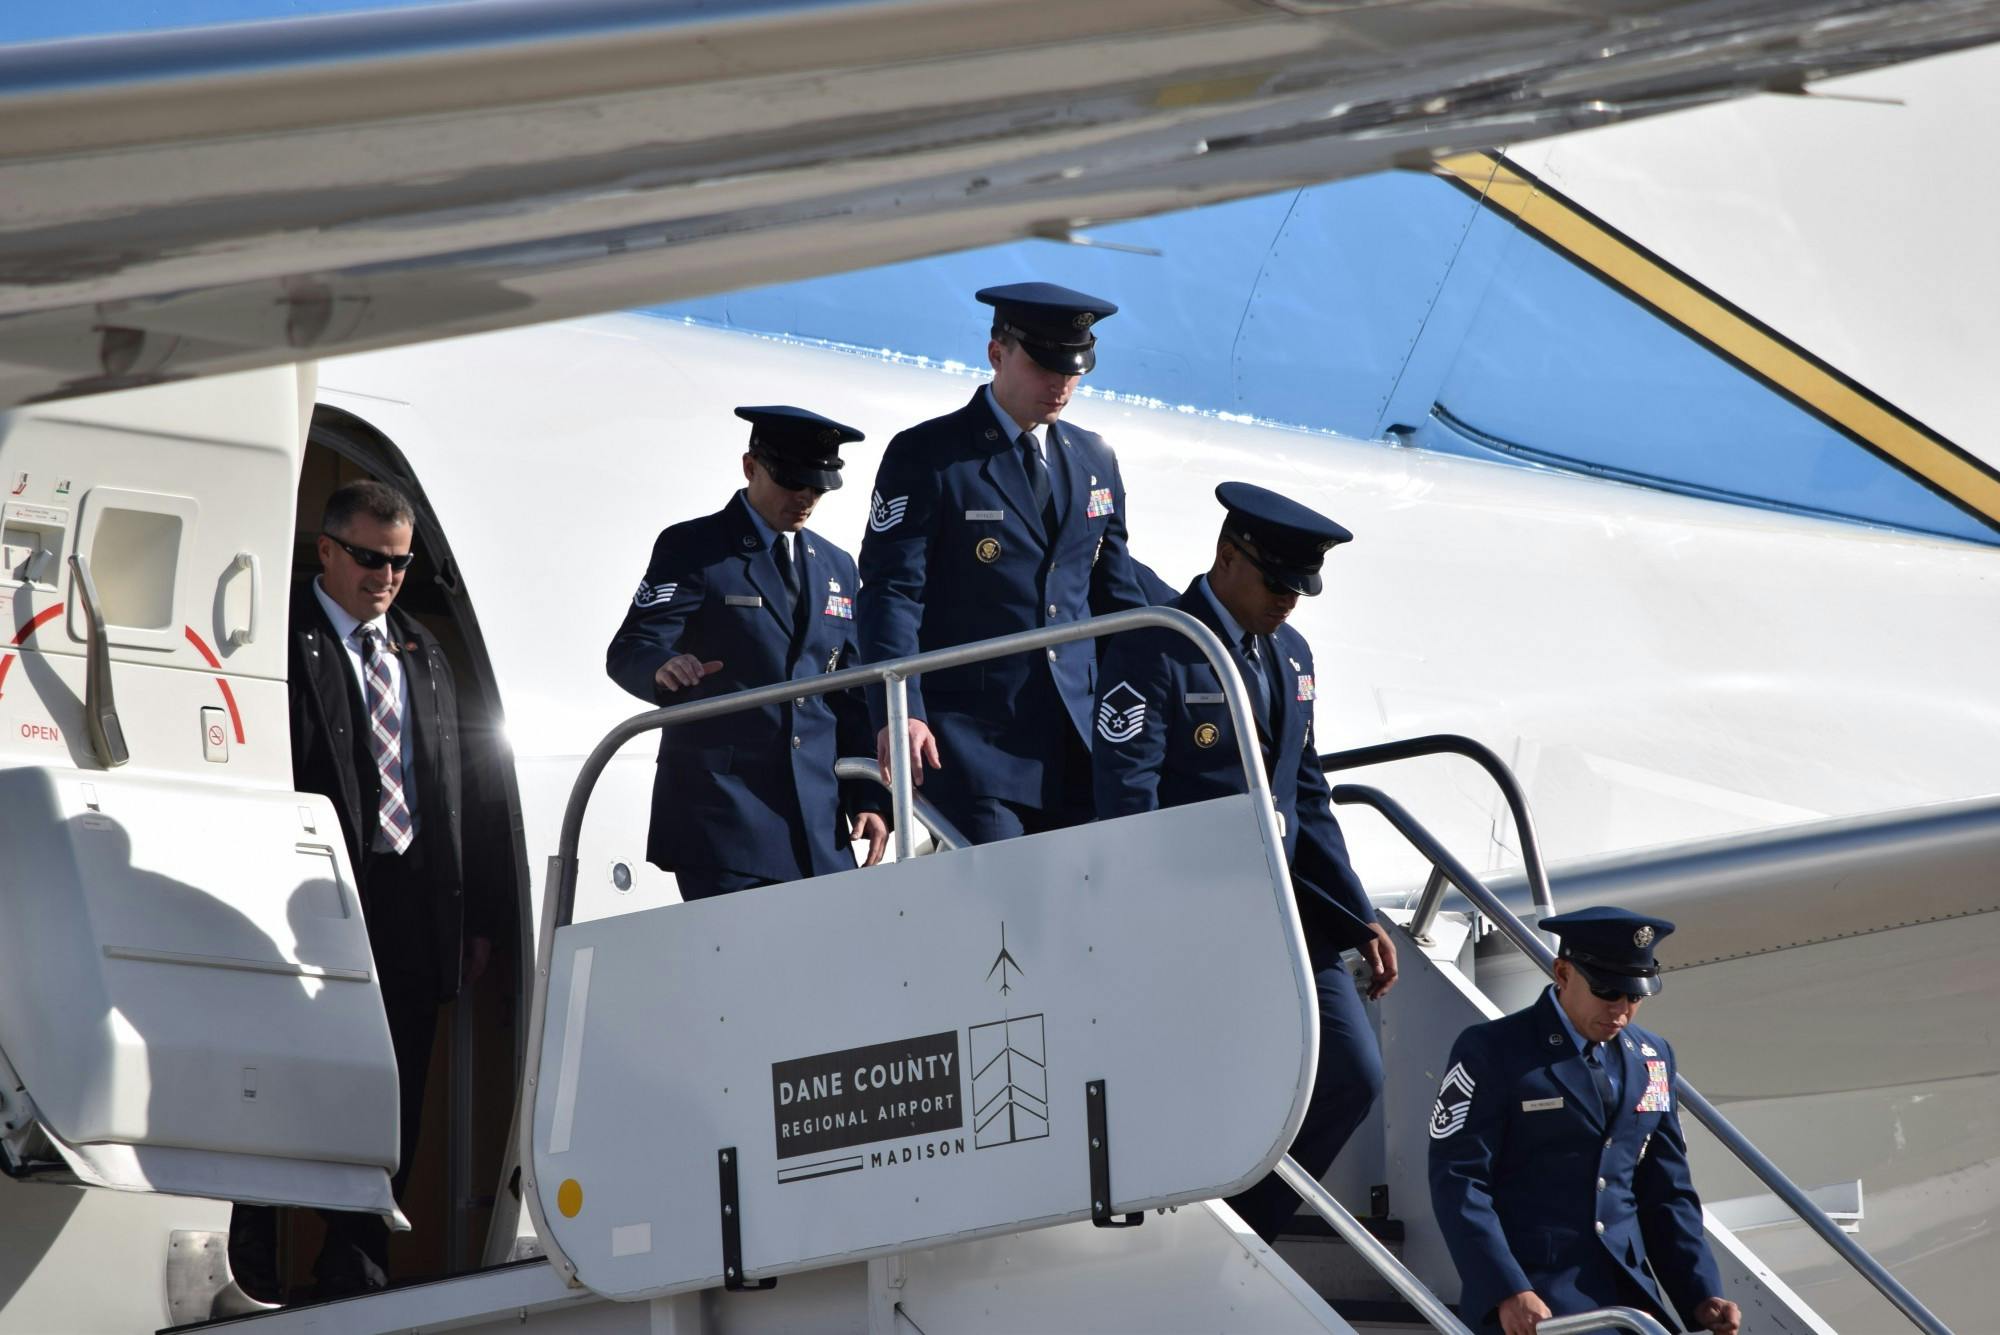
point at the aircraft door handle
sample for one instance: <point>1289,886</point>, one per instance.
<point>100,710</point>
<point>248,561</point>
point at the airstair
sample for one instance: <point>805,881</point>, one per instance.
<point>984,1091</point>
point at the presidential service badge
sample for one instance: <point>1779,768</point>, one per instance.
<point>1643,937</point>
<point>1206,735</point>
<point>987,550</point>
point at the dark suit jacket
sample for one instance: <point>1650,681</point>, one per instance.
<point>956,552</point>
<point>1164,739</point>
<point>330,757</point>
<point>754,791</point>
<point>1535,1188</point>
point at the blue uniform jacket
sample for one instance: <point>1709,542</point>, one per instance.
<point>955,552</point>
<point>1534,1191</point>
<point>1164,738</point>
<point>752,792</point>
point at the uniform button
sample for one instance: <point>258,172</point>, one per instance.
<point>1600,1226</point>
<point>1607,1142</point>
<point>1600,1184</point>
<point>799,703</point>
<point>1052,655</point>
<point>1052,609</point>
<point>795,743</point>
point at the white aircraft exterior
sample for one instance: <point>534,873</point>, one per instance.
<point>1659,669</point>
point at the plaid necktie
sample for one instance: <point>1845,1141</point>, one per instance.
<point>385,740</point>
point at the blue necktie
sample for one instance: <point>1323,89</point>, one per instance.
<point>1603,1079</point>
<point>1260,681</point>
<point>1039,485</point>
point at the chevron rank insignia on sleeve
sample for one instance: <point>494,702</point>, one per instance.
<point>885,515</point>
<point>652,595</point>
<point>1121,713</point>
<point>1454,1103</point>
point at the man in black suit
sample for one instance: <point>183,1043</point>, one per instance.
<point>375,730</point>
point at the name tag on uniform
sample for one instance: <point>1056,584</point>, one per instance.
<point>1541,1105</point>
<point>978,515</point>
<point>741,600</point>
<point>1203,697</point>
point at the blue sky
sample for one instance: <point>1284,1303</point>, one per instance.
<point>47,20</point>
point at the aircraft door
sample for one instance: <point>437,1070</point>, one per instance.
<point>188,1001</point>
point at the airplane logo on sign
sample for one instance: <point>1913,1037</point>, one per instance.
<point>1003,962</point>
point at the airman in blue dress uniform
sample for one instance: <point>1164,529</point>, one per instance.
<point>993,519</point>
<point>1559,1174</point>
<point>745,597</point>
<point>1164,738</point>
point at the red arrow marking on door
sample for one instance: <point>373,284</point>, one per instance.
<point>228,696</point>
<point>21,636</point>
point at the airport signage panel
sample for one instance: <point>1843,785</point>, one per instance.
<point>907,1055</point>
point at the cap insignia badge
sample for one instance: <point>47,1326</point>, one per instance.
<point>1083,320</point>
<point>1643,937</point>
<point>829,436</point>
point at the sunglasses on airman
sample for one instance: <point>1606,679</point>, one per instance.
<point>1613,994</point>
<point>370,559</point>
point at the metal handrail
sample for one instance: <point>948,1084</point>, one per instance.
<point>1603,1318</point>
<point>1370,1248</point>
<point>559,887</point>
<point>944,835</point>
<point>1448,743</point>
<point>1531,945</point>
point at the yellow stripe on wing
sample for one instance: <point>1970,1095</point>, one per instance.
<point>1930,458</point>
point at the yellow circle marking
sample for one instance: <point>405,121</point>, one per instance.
<point>1205,735</point>
<point>569,1197</point>
<point>987,550</point>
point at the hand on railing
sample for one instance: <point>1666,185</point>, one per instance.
<point>923,752</point>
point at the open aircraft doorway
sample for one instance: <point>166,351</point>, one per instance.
<point>456,1195</point>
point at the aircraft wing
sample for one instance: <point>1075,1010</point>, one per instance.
<point>191,202</point>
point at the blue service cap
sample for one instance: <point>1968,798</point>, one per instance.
<point>1613,947</point>
<point>798,448</point>
<point>1285,540</point>
<point>1054,324</point>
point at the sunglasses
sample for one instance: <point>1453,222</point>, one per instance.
<point>369,559</point>
<point>1613,994</point>
<point>1271,582</point>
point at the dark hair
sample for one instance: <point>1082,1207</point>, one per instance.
<point>377,500</point>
